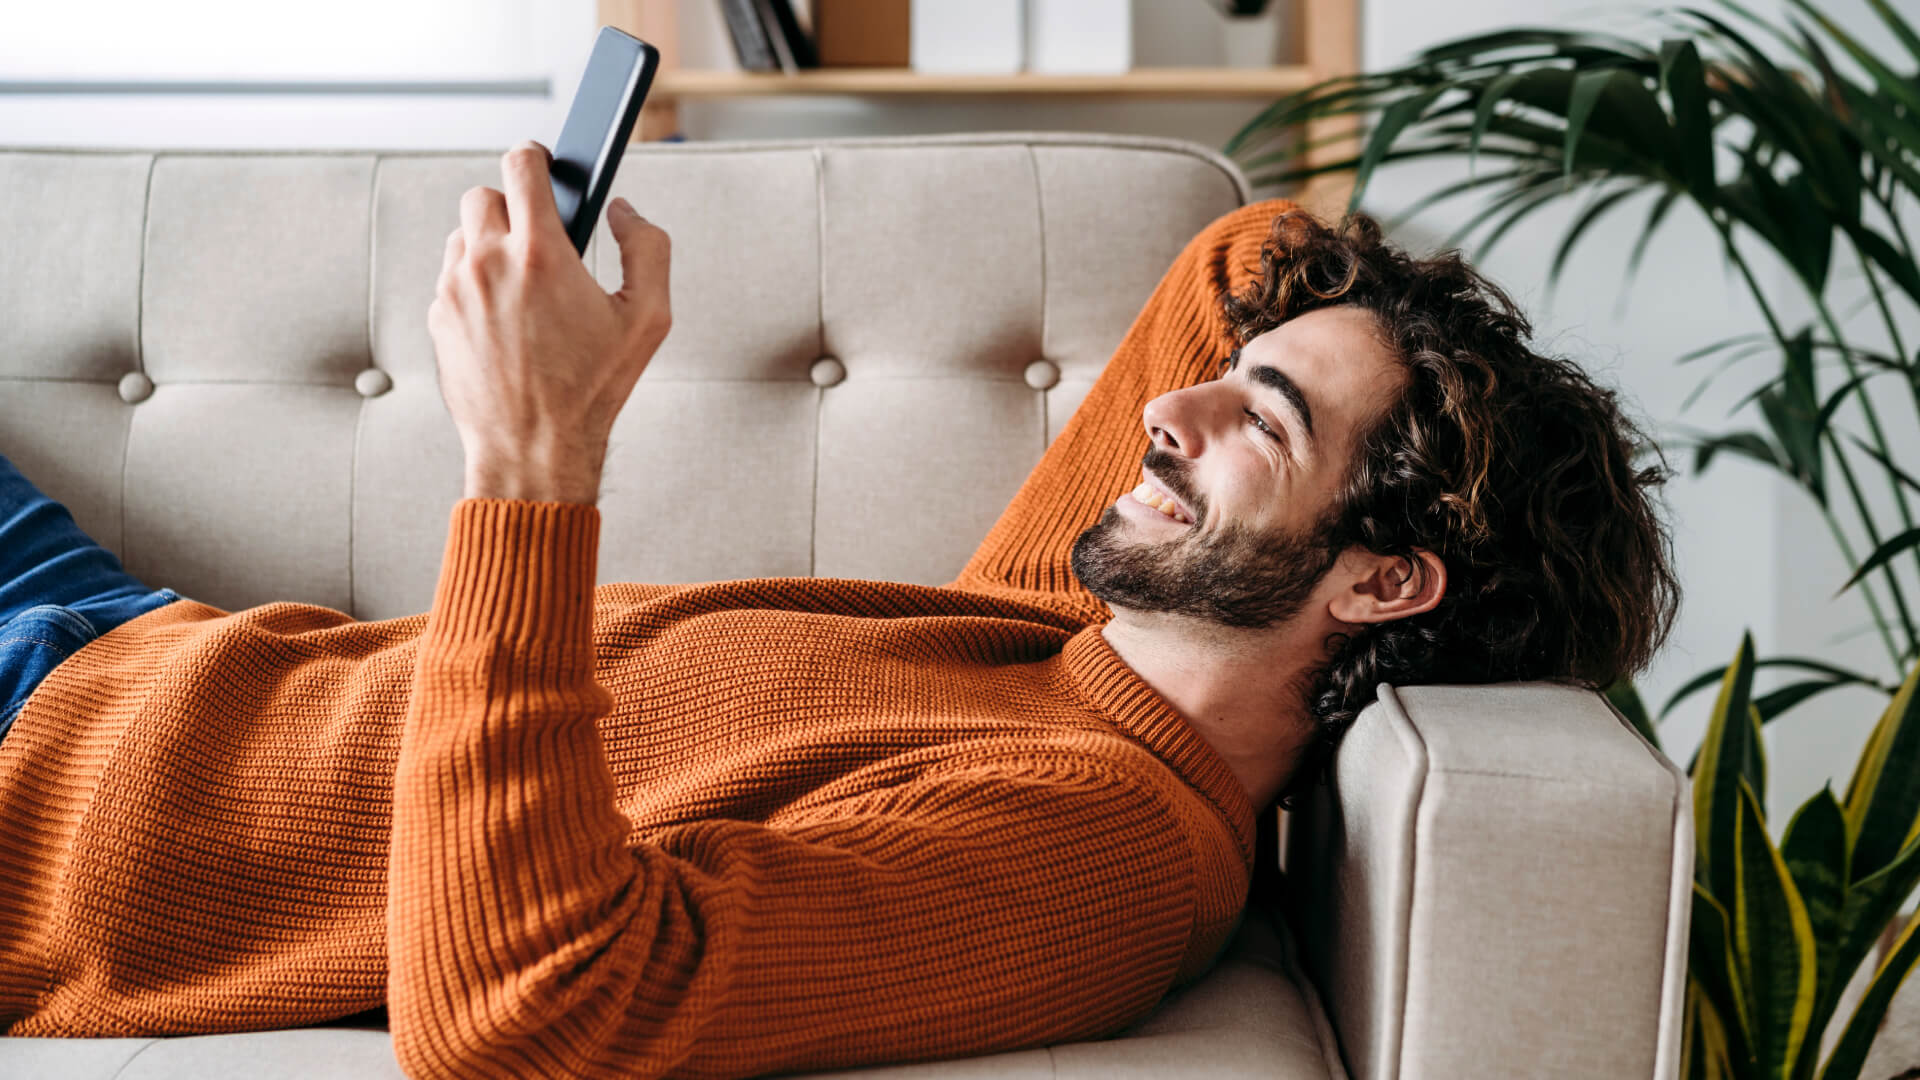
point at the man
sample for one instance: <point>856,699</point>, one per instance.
<point>773,825</point>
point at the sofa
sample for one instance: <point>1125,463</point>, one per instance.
<point>219,362</point>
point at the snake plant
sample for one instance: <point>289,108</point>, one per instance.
<point>1779,931</point>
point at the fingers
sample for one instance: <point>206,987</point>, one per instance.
<point>456,246</point>
<point>528,172</point>
<point>483,217</point>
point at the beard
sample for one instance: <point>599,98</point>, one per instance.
<point>1234,578</point>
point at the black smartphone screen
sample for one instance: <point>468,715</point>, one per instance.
<point>598,123</point>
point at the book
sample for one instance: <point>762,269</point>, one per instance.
<point>785,24</point>
<point>775,40</point>
<point>862,33</point>
<point>750,38</point>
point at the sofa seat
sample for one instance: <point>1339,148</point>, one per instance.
<point>1253,1017</point>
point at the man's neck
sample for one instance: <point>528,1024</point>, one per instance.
<point>1243,691</point>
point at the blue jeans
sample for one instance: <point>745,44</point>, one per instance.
<point>58,590</point>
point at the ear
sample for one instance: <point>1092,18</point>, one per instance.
<point>1391,587</point>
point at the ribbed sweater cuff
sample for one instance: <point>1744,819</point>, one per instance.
<point>518,571</point>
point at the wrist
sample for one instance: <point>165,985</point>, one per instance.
<point>534,476</point>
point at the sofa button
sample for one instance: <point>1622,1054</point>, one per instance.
<point>1042,374</point>
<point>135,387</point>
<point>372,382</point>
<point>827,371</point>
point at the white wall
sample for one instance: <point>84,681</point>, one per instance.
<point>1751,553</point>
<point>481,73</point>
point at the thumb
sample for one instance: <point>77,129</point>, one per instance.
<point>642,243</point>
<point>644,253</point>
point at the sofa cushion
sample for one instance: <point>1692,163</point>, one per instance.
<point>1252,1016</point>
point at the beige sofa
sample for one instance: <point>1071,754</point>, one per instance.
<point>219,362</point>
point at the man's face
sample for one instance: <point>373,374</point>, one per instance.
<point>1254,550</point>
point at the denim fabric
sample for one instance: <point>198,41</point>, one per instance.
<point>58,590</point>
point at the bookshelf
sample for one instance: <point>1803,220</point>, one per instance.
<point>1325,36</point>
<point>682,83</point>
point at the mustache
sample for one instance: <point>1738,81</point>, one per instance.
<point>1172,474</point>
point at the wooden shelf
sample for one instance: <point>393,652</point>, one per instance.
<point>684,83</point>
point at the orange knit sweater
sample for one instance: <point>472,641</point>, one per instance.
<point>712,830</point>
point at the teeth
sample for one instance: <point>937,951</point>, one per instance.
<point>1146,494</point>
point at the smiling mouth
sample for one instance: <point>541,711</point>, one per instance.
<point>1146,494</point>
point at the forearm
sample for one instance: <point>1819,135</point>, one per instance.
<point>508,865</point>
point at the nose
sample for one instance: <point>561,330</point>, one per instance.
<point>1173,422</point>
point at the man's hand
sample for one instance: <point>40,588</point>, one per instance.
<point>535,359</point>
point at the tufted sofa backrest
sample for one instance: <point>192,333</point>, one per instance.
<point>220,361</point>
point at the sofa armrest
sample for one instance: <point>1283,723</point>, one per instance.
<point>1497,883</point>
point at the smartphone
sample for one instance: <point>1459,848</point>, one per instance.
<point>594,137</point>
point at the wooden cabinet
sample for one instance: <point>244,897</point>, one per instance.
<point>1327,33</point>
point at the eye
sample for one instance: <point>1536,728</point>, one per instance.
<point>1262,425</point>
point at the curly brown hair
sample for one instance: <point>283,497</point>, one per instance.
<point>1516,469</point>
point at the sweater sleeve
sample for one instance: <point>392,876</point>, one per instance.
<point>973,907</point>
<point>1177,340</point>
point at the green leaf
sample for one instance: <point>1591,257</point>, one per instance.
<point>1593,213</point>
<point>1792,430</point>
<point>1624,698</point>
<point>1883,798</point>
<point>1772,704</point>
<point>1490,98</point>
<point>1725,756</point>
<point>1898,25</point>
<point>1685,82</point>
<point>1528,199</point>
<point>1757,90</point>
<point>1871,902</point>
<point>1777,105</point>
<point>1900,88</point>
<point>1811,226</point>
<point>1770,209</point>
<point>1850,1052</point>
<point>1834,401</point>
<point>1654,217</point>
<point>1560,42</point>
<point>1880,555</point>
<point>1392,122</point>
<point>1747,444</point>
<point>1772,938</point>
<point>1875,247</point>
<point>1708,678</point>
<point>1711,969</point>
<point>1759,338</point>
<point>1886,463</point>
<point>1791,411</point>
<point>1587,86</point>
<point>1461,187</point>
<point>1816,852</point>
<point>1884,133</point>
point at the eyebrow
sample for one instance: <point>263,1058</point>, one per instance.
<point>1276,380</point>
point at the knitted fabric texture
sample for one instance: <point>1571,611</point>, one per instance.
<point>712,830</point>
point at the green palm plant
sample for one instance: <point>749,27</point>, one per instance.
<point>1778,931</point>
<point>1807,163</point>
